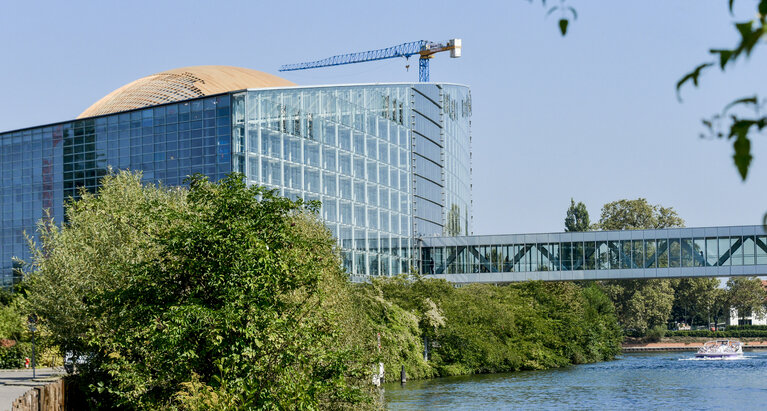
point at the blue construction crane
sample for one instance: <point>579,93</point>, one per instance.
<point>425,49</point>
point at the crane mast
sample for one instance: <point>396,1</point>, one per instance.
<point>424,49</point>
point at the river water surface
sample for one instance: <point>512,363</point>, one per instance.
<point>652,380</point>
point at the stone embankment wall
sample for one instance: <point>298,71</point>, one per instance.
<point>50,397</point>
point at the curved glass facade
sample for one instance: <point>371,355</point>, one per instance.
<point>373,155</point>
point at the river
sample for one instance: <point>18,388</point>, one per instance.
<point>646,380</point>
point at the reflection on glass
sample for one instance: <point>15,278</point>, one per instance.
<point>724,251</point>
<point>674,252</point>
<point>686,249</point>
<point>637,253</point>
<point>651,259</point>
<point>590,255</point>
<point>578,256</point>
<point>761,249</point>
<point>749,251</point>
<point>736,250</point>
<point>662,253</point>
<point>699,252</point>
<point>567,256</point>
<point>602,256</point>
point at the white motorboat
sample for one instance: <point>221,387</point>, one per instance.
<point>720,349</point>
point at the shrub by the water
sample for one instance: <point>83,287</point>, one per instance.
<point>222,296</point>
<point>484,328</point>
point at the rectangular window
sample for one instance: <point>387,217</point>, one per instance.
<point>602,256</point>
<point>737,250</point>
<point>590,255</point>
<point>674,252</point>
<point>724,251</point>
<point>651,259</point>
<point>761,249</point>
<point>699,252</point>
<point>346,214</point>
<point>625,254</point>
<point>345,187</point>
<point>712,252</point>
<point>687,252</point>
<point>749,252</point>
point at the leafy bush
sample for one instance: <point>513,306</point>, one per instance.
<point>483,328</point>
<point>177,298</point>
<point>656,333</point>
<point>15,355</point>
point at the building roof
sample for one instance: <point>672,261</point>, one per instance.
<point>182,84</point>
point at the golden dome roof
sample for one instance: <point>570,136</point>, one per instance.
<point>182,84</point>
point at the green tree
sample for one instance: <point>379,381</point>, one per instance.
<point>639,304</point>
<point>695,298</point>
<point>577,218</point>
<point>747,296</point>
<point>637,215</point>
<point>219,296</point>
<point>719,309</point>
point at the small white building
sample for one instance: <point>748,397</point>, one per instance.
<point>734,319</point>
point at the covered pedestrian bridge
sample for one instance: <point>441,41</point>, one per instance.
<point>597,255</point>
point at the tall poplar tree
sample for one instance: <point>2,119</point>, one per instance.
<point>577,218</point>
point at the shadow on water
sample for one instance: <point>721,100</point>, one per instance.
<point>647,380</point>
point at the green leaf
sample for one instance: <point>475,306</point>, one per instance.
<point>762,8</point>
<point>692,76</point>
<point>745,101</point>
<point>724,56</point>
<point>563,26</point>
<point>749,36</point>
<point>742,156</point>
<point>744,28</point>
<point>732,2</point>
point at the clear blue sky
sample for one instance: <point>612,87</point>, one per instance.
<point>591,116</point>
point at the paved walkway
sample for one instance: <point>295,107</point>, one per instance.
<point>13,383</point>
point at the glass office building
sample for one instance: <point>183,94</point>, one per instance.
<point>390,163</point>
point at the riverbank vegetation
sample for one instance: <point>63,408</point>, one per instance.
<point>223,296</point>
<point>483,328</point>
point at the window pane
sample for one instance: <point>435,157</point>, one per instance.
<point>625,254</point>
<point>662,253</point>
<point>749,252</point>
<point>712,252</point>
<point>590,251</point>
<point>614,258</point>
<point>698,255</point>
<point>637,253</point>
<point>674,252</point>
<point>737,253</point>
<point>761,249</point>
<point>602,256</point>
<point>651,260</point>
<point>686,252</point>
<point>724,250</point>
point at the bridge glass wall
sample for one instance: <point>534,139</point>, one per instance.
<point>617,254</point>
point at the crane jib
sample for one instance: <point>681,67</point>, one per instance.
<point>422,47</point>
